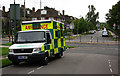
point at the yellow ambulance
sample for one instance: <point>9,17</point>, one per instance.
<point>38,40</point>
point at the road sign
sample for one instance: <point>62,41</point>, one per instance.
<point>72,26</point>
<point>97,25</point>
<point>15,11</point>
<point>67,26</point>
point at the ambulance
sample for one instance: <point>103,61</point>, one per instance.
<point>38,40</point>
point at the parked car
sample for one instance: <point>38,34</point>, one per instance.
<point>92,31</point>
<point>104,33</point>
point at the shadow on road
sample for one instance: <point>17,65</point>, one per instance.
<point>35,63</point>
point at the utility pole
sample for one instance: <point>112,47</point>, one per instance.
<point>40,9</point>
<point>24,10</point>
<point>14,20</point>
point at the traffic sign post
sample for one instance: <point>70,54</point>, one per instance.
<point>15,11</point>
<point>72,26</point>
<point>98,25</point>
<point>14,15</point>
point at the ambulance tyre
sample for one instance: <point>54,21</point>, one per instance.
<point>45,60</point>
<point>59,55</point>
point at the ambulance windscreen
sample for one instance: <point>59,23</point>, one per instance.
<point>31,36</point>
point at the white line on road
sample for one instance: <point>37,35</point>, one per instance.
<point>39,67</point>
<point>110,66</point>
<point>30,72</point>
<point>111,70</point>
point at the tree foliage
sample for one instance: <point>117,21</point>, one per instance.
<point>113,17</point>
<point>92,17</point>
<point>81,25</point>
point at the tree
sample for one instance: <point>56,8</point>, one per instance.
<point>81,25</point>
<point>92,17</point>
<point>113,17</point>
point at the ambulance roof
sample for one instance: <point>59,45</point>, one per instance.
<point>33,30</point>
<point>40,21</point>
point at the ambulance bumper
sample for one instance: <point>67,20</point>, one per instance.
<point>31,57</point>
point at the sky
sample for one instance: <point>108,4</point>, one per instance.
<point>75,8</point>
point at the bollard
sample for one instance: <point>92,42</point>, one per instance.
<point>97,39</point>
<point>91,38</point>
<point>80,38</point>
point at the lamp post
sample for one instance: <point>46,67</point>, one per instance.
<point>40,9</point>
<point>14,29</point>
<point>24,10</point>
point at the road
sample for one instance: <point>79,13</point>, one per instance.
<point>84,59</point>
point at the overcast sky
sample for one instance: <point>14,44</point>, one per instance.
<point>74,8</point>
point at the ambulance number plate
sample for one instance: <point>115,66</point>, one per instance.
<point>22,57</point>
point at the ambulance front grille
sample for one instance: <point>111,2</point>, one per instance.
<point>23,50</point>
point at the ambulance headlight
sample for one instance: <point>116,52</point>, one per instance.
<point>37,49</point>
<point>10,50</point>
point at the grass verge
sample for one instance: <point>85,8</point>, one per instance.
<point>85,33</point>
<point>5,62</point>
<point>71,37</point>
<point>116,39</point>
<point>4,51</point>
<point>70,47</point>
<point>8,44</point>
<point>109,34</point>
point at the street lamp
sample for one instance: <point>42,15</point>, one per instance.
<point>40,9</point>
<point>24,10</point>
<point>14,1</point>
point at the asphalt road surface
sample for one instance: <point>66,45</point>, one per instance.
<point>84,59</point>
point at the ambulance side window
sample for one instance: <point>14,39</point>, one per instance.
<point>48,38</point>
<point>56,33</point>
<point>61,33</point>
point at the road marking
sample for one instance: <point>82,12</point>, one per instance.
<point>111,70</point>
<point>30,72</point>
<point>109,60</point>
<point>110,66</point>
<point>39,67</point>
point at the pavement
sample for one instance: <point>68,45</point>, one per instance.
<point>4,46</point>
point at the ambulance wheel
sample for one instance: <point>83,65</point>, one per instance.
<point>45,60</point>
<point>59,55</point>
<point>15,63</point>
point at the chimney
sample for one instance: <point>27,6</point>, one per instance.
<point>33,9</point>
<point>63,12</point>
<point>22,6</point>
<point>3,8</point>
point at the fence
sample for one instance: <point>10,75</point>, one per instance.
<point>91,39</point>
